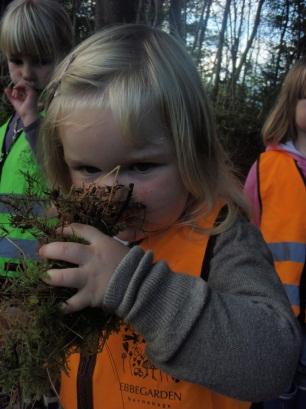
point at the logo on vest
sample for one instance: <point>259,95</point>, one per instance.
<point>135,361</point>
<point>150,387</point>
<point>139,393</point>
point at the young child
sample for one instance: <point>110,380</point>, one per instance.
<point>208,324</point>
<point>34,36</point>
<point>276,187</point>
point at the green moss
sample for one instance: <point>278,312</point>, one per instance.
<point>36,338</point>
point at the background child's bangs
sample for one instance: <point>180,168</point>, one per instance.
<point>26,38</point>
<point>294,85</point>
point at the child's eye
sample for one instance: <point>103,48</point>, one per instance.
<point>143,167</point>
<point>16,61</point>
<point>41,61</point>
<point>91,170</point>
<point>44,61</point>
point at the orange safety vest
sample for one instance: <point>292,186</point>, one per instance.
<point>122,375</point>
<point>282,195</point>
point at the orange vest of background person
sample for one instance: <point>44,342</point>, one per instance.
<point>282,195</point>
<point>121,376</point>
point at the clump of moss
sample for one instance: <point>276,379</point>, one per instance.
<point>36,339</point>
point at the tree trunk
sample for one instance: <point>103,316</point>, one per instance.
<point>250,41</point>
<point>110,12</point>
<point>236,36</point>
<point>220,49</point>
<point>150,12</point>
<point>200,35</point>
<point>301,31</point>
<point>175,17</point>
<point>281,42</point>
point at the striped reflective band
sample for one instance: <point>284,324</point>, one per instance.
<point>293,294</point>
<point>288,251</point>
<point>37,208</point>
<point>17,248</point>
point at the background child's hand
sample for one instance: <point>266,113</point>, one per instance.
<point>94,262</point>
<point>24,99</point>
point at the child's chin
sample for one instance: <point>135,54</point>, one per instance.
<point>131,236</point>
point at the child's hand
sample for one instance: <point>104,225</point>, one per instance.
<point>95,264</point>
<point>24,99</point>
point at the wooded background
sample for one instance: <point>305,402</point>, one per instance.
<point>243,49</point>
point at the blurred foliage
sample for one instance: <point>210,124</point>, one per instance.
<point>238,125</point>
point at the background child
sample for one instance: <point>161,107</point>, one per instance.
<point>34,36</point>
<point>276,187</point>
<point>131,96</point>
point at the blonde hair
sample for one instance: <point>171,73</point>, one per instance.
<point>39,28</point>
<point>280,125</point>
<point>135,69</point>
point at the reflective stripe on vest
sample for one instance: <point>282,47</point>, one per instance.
<point>123,376</point>
<point>18,248</point>
<point>37,208</point>
<point>282,194</point>
<point>289,251</point>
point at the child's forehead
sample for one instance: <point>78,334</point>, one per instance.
<point>148,130</point>
<point>144,124</point>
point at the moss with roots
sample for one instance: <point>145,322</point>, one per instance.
<point>36,339</point>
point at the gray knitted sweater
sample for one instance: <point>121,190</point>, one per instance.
<point>235,334</point>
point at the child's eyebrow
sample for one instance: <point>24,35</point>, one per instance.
<point>75,162</point>
<point>150,149</point>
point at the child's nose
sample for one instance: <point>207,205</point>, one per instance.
<point>107,180</point>
<point>28,72</point>
<point>111,178</point>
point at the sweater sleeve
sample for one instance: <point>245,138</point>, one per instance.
<point>235,334</point>
<point>32,133</point>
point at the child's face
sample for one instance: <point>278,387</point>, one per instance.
<point>36,72</point>
<point>92,151</point>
